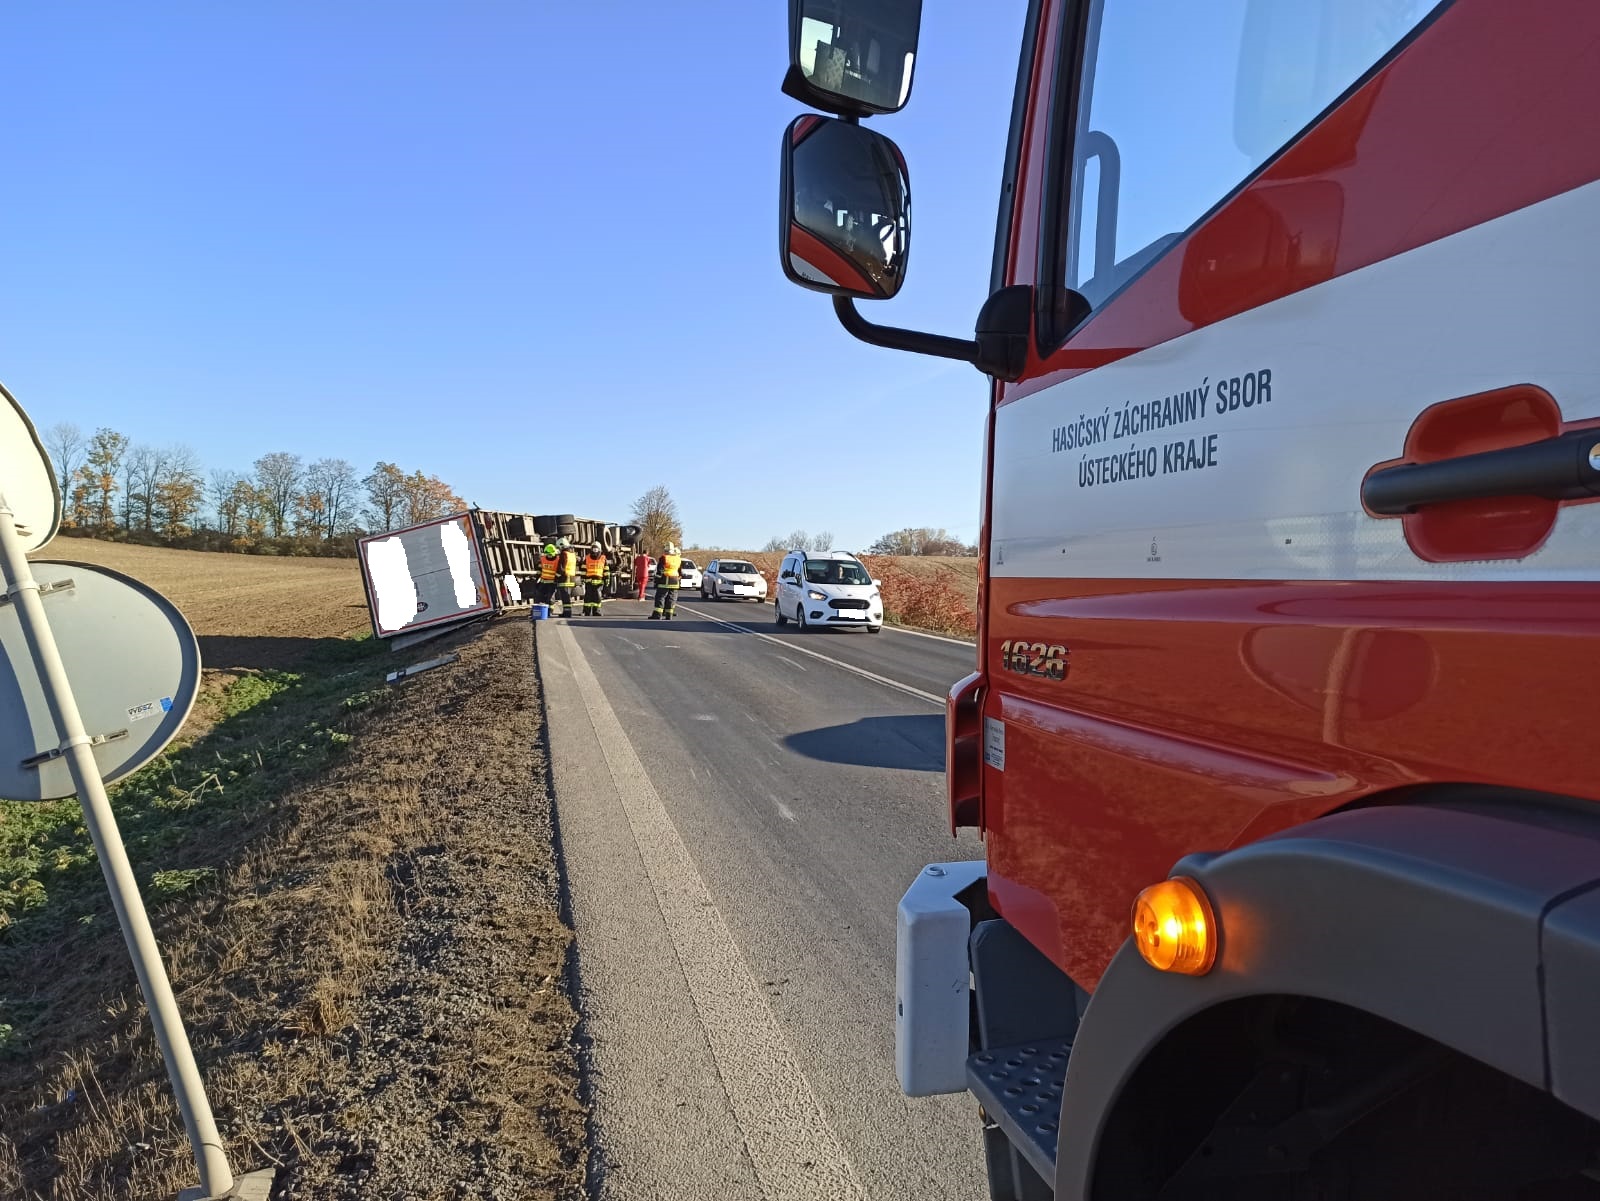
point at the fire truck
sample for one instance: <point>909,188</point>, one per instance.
<point>1281,740</point>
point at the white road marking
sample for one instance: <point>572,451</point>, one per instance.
<point>791,1145</point>
<point>850,667</point>
<point>935,637</point>
<point>792,663</point>
<point>785,810</point>
<point>705,717</point>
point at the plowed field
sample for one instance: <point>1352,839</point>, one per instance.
<point>248,610</point>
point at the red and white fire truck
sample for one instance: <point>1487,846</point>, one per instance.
<point>1281,740</point>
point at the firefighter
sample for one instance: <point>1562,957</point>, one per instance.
<point>596,575</point>
<point>549,567</point>
<point>667,584</point>
<point>566,575</point>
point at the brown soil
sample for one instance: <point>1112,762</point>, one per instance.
<point>376,986</point>
<point>247,610</point>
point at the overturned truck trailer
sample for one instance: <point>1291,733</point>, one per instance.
<point>513,543</point>
<point>433,576</point>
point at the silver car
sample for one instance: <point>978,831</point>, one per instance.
<point>733,579</point>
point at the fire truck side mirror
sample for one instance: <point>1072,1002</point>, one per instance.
<point>845,221</point>
<point>852,57</point>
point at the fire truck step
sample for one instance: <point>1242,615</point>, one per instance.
<point>1020,1089</point>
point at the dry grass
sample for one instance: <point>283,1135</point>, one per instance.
<point>360,915</point>
<point>932,592</point>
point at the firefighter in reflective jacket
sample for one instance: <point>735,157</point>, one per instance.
<point>667,568</point>
<point>566,576</point>
<point>596,575</point>
<point>549,568</point>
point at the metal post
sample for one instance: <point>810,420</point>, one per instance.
<point>216,1177</point>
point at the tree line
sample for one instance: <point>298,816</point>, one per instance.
<point>113,488</point>
<point>800,540</point>
<point>920,540</point>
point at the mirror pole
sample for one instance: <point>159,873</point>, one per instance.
<point>893,338</point>
<point>1000,349</point>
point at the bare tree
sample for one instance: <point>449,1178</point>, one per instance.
<point>225,500</point>
<point>141,468</point>
<point>332,482</point>
<point>278,477</point>
<point>899,542</point>
<point>340,482</point>
<point>800,540</point>
<point>656,515</point>
<point>66,444</point>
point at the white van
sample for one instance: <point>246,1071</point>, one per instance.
<point>827,588</point>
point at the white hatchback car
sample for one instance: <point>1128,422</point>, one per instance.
<point>732,579</point>
<point>827,588</point>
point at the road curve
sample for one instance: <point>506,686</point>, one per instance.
<point>739,815</point>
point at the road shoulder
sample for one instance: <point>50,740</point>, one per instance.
<point>696,1093</point>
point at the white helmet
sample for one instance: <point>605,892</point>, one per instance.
<point>671,549</point>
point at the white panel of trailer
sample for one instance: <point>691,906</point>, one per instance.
<point>424,575</point>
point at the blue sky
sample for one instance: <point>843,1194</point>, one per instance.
<point>528,247</point>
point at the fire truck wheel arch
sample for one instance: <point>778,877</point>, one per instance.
<point>1431,917</point>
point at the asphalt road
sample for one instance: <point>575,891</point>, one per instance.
<point>740,808</point>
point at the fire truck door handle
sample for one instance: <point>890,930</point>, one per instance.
<point>1562,468</point>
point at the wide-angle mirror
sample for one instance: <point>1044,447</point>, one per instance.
<point>846,209</point>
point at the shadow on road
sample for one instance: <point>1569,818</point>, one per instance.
<point>906,742</point>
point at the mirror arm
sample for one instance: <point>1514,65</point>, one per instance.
<point>893,338</point>
<point>1000,348</point>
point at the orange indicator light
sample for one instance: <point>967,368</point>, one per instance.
<point>1174,927</point>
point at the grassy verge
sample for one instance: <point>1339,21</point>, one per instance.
<point>186,819</point>
<point>361,920</point>
<point>181,816</point>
